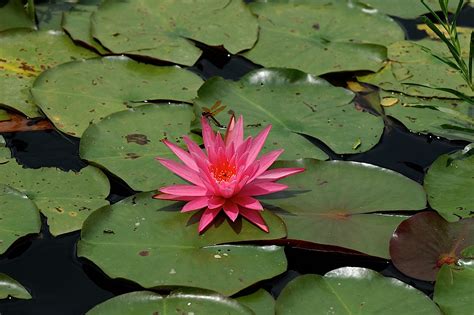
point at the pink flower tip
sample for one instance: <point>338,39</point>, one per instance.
<point>226,176</point>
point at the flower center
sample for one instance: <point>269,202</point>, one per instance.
<point>223,171</point>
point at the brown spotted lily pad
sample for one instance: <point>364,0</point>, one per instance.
<point>422,244</point>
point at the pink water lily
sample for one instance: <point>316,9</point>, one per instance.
<point>226,176</point>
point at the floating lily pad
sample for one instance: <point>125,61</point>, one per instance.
<point>407,9</point>
<point>18,217</point>
<point>449,184</point>
<point>14,14</point>
<point>178,302</point>
<point>451,119</point>
<point>318,38</point>
<point>164,31</point>
<point>411,63</point>
<point>261,302</point>
<point>296,104</point>
<point>352,290</point>
<point>333,203</point>
<point>65,198</point>
<point>11,287</point>
<point>126,143</point>
<point>453,288</point>
<point>150,242</point>
<point>75,94</point>
<point>424,242</point>
<point>24,55</point>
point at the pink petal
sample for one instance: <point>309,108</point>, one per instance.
<point>254,217</point>
<point>172,197</point>
<point>216,202</point>
<point>207,217</point>
<point>181,154</point>
<point>279,173</point>
<point>266,161</point>
<point>185,190</point>
<point>262,188</point>
<point>248,202</point>
<point>231,209</point>
<point>196,204</point>
<point>182,171</point>
<point>207,133</point>
<point>194,148</point>
<point>235,132</point>
<point>257,144</point>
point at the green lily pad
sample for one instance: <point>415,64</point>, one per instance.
<point>18,217</point>
<point>352,290</point>
<point>126,143</point>
<point>14,14</point>
<point>333,203</point>
<point>77,23</point>
<point>164,31</point>
<point>411,63</point>
<point>453,288</point>
<point>449,184</point>
<point>178,302</point>
<point>75,94</point>
<point>425,242</point>
<point>261,302</point>
<point>11,287</point>
<point>296,104</point>
<point>318,38</point>
<point>24,55</point>
<point>150,242</point>
<point>407,9</point>
<point>65,198</point>
<point>4,115</point>
<point>451,119</point>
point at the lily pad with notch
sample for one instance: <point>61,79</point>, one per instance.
<point>76,94</point>
<point>156,246</point>
<point>422,244</point>
<point>166,31</point>
<point>338,203</point>
<point>320,37</point>
<point>9,287</point>
<point>297,105</point>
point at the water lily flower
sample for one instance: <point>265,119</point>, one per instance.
<point>226,176</point>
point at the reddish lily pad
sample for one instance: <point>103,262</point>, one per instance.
<point>425,242</point>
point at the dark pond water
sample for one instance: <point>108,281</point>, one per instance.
<point>63,284</point>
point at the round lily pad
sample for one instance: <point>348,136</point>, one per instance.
<point>296,104</point>
<point>164,31</point>
<point>126,143</point>
<point>75,94</point>
<point>65,198</point>
<point>18,217</point>
<point>11,287</point>
<point>411,63</point>
<point>178,302</point>
<point>335,203</point>
<point>352,290</point>
<point>24,55</point>
<point>422,244</point>
<point>151,242</point>
<point>449,184</point>
<point>320,37</point>
<point>446,118</point>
